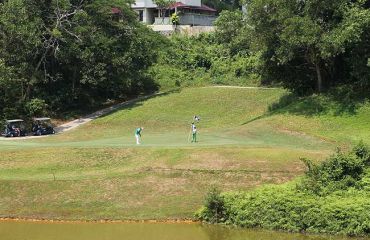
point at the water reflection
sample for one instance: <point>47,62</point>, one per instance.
<point>139,231</point>
<point>230,233</point>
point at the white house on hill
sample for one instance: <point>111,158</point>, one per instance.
<point>191,12</point>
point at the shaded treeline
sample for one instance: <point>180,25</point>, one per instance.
<point>306,46</point>
<point>310,45</point>
<point>64,54</point>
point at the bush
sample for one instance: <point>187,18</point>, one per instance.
<point>283,208</point>
<point>332,197</point>
<point>214,210</point>
<point>363,152</point>
<point>339,172</point>
<point>36,107</point>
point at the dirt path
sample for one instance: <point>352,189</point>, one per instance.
<point>78,122</point>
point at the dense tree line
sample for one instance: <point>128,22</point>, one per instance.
<point>307,45</point>
<point>70,53</point>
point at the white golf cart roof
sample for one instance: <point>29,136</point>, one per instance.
<point>14,121</point>
<point>41,119</point>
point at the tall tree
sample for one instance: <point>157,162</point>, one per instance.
<point>307,37</point>
<point>162,6</point>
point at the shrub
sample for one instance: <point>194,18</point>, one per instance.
<point>332,197</point>
<point>36,107</point>
<point>363,152</point>
<point>339,172</point>
<point>214,210</point>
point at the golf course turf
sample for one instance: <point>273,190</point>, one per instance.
<point>97,172</point>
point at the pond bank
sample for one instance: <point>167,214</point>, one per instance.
<point>182,221</point>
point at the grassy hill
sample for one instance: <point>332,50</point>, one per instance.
<point>247,138</point>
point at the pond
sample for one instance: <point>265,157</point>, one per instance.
<point>18,230</point>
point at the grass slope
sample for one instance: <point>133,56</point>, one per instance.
<point>97,172</point>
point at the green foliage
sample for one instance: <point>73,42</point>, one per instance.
<point>36,107</point>
<point>312,45</point>
<point>233,31</point>
<point>340,172</point>
<point>305,46</point>
<point>282,208</point>
<point>363,152</point>
<point>72,55</point>
<point>163,5</point>
<point>175,19</point>
<point>201,60</point>
<point>214,210</point>
<point>332,197</point>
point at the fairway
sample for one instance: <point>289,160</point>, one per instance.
<point>96,171</point>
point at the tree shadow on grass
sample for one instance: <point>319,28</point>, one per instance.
<point>335,103</point>
<point>265,115</point>
<point>338,102</point>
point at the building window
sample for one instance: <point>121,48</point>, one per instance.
<point>141,15</point>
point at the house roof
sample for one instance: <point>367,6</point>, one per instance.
<point>207,8</point>
<point>203,7</point>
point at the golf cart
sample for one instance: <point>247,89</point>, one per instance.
<point>42,126</point>
<point>14,128</point>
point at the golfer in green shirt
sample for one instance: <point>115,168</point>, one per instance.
<point>194,132</point>
<point>138,134</point>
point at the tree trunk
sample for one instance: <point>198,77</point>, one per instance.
<point>319,77</point>
<point>73,81</point>
<point>23,94</point>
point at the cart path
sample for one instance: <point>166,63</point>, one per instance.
<point>80,121</point>
<point>88,118</point>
